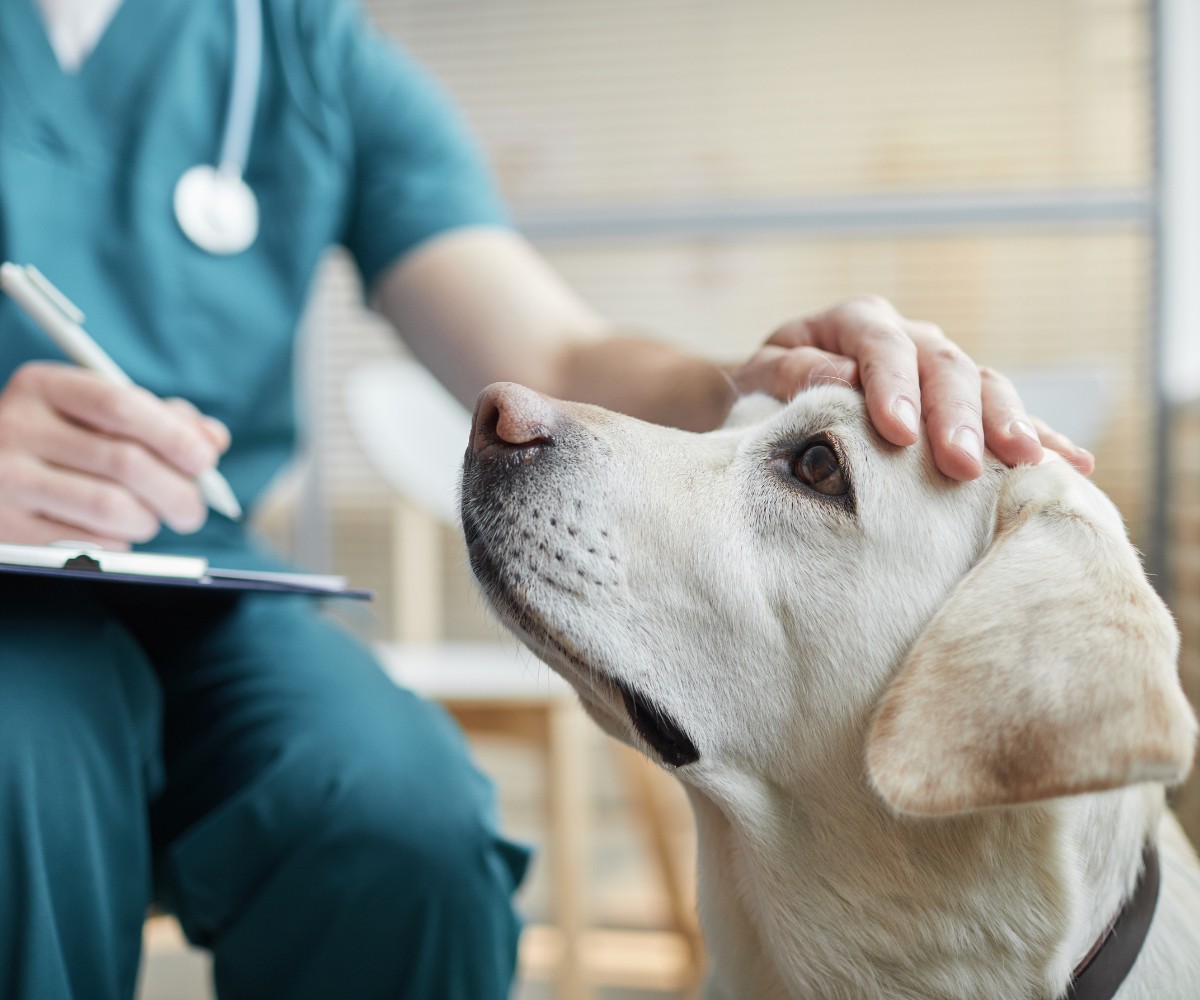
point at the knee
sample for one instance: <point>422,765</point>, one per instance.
<point>398,869</point>
<point>422,817</point>
<point>437,848</point>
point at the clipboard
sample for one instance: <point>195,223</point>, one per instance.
<point>78,561</point>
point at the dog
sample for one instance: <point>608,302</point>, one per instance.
<point>925,726</point>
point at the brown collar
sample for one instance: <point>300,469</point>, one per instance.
<point>1101,973</point>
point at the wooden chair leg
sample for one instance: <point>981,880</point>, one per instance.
<point>645,782</point>
<point>417,612</point>
<point>568,800</point>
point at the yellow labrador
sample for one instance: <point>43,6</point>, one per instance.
<point>925,726</point>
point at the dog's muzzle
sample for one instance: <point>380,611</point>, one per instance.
<point>512,433</point>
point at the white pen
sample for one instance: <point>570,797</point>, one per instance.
<point>63,321</point>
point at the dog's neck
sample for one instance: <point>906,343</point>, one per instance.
<point>838,898</point>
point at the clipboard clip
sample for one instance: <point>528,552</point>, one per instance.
<point>83,563</point>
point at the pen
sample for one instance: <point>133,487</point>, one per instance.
<point>62,320</point>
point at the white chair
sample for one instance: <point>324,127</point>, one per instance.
<point>1076,400</point>
<point>414,433</point>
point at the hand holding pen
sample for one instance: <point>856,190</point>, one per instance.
<point>88,455</point>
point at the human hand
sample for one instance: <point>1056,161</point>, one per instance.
<point>84,459</point>
<point>906,368</point>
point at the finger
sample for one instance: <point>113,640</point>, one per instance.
<point>95,505</point>
<point>801,368</point>
<point>1007,429</point>
<point>824,367</point>
<point>1080,458</point>
<point>758,373</point>
<point>870,329</point>
<point>217,432</point>
<point>129,412</point>
<point>21,528</point>
<point>950,382</point>
<point>782,372</point>
<point>173,497</point>
<point>799,332</point>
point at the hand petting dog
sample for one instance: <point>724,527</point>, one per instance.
<point>908,369</point>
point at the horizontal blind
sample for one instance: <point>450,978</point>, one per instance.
<point>692,99</point>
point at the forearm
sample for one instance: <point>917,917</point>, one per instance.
<point>480,306</point>
<point>622,370</point>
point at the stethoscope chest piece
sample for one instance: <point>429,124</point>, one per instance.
<point>216,210</point>
<point>214,206</point>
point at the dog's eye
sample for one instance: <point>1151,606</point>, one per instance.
<point>818,466</point>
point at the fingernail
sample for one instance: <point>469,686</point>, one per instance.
<point>967,441</point>
<point>904,411</point>
<point>1022,428</point>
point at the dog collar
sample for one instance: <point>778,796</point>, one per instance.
<point>1101,973</point>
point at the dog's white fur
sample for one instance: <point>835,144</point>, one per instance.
<point>933,730</point>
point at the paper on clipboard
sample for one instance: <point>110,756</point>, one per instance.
<point>82,561</point>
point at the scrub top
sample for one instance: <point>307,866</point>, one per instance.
<point>352,145</point>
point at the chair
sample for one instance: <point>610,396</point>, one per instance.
<point>1076,399</point>
<point>494,689</point>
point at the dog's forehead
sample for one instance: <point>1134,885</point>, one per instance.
<point>827,407</point>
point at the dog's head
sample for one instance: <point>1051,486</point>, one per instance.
<point>791,593</point>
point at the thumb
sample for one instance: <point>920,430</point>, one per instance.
<point>783,372</point>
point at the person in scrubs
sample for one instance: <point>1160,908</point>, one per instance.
<point>245,762</point>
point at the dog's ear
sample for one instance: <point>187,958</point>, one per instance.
<point>1050,670</point>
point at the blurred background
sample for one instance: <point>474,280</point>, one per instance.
<point>1025,173</point>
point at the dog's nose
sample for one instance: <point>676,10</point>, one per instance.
<point>511,418</point>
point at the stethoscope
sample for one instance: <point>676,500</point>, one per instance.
<point>215,207</point>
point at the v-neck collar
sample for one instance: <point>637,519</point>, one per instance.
<point>107,81</point>
<point>74,27</point>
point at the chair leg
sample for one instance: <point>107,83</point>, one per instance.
<point>645,781</point>
<point>417,612</point>
<point>568,800</point>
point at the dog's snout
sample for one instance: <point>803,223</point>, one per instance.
<point>511,420</point>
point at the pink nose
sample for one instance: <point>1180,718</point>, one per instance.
<point>510,417</point>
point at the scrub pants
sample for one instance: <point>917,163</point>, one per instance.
<point>247,764</point>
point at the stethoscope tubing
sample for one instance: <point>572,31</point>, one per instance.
<point>243,89</point>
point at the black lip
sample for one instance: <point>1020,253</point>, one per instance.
<point>658,729</point>
<point>655,725</point>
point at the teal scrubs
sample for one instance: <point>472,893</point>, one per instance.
<point>244,762</point>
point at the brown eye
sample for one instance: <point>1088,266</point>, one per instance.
<point>818,467</point>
